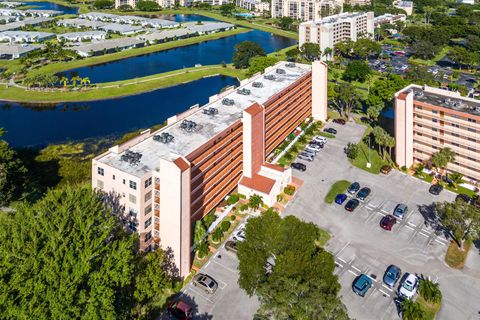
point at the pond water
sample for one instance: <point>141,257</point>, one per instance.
<point>33,127</point>
<point>182,17</point>
<point>205,53</point>
<point>44,5</point>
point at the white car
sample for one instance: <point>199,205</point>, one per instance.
<point>240,235</point>
<point>319,139</point>
<point>305,156</point>
<point>310,149</point>
<point>435,72</point>
<point>404,67</point>
<point>409,286</point>
<point>314,147</point>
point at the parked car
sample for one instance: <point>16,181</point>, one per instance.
<point>239,235</point>
<point>363,193</point>
<point>340,198</point>
<point>352,204</point>
<point>179,309</point>
<point>305,156</point>
<point>330,130</point>
<point>391,276</point>
<point>318,144</point>
<point>298,166</point>
<point>311,150</point>
<point>339,121</point>
<point>386,169</point>
<point>464,198</point>
<point>400,210</point>
<point>205,282</point>
<point>388,222</point>
<point>353,188</point>
<point>361,284</point>
<point>319,139</point>
<point>231,246</point>
<point>314,146</point>
<point>435,189</point>
<point>408,287</point>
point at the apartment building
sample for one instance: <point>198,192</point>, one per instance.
<point>170,178</point>
<point>305,10</point>
<point>406,6</point>
<point>253,5</point>
<point>428,119</point>
<point>337,28</point>
<point>388,18</point>
<point>358,2</point>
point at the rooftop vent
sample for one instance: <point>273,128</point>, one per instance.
<point>243,91</point>
<point>188,125</point>
<point>290,65</point>
<point>133,158</point>
<point>281,71</point>
<point>228,102</point>
<point>210,111</point>
<point>164,137</point>
<point>418,94</point>
<point>457,104</point>
<point>269,77</point>
<point>257,84</point>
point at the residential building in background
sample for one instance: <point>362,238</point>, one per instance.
<point>388,18</point>
<point>466,1</point>
<point>428,119</point>
<point>171,3</point>
<point>170,178</point>
<point>337,28</point>
<point>407,6</point>
<point>358,2</point>
<point>305,10</point>
<point>254,5</point>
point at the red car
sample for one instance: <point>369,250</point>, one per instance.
<point>180,310</point>
<point>388,222</point>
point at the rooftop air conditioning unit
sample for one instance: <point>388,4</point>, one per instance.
<point>281,71</point>
<point>133,158</point>
<point>210,111</point>
<point>257,84</point>
<point>243,91</point>
<point>269,77</point>
<point>228,102</point>
<point>164,137</point>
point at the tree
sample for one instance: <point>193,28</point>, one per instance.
<point>285,23</point>
<point>442,158</point>
<point>64,80</point>
<point>373,113</point>
<point>199,233</point>
<point>356,71</point>
<point>460,218</point>
<point>74,80</point>
<point>345,99</point>
<point>103,4</point>
<point>310,51</point>
<point>244,51</point>
<point>424,49</point>
<point>430,290</point>
<point>255,201</point>
<point>227,9</point>
<point>412,310</point>
<point>327,53</point>
<point>65,257</point>
<point>281,263</point>
<point>147,5</point>
<point>85,81</point>
<point>364,47</point>
<point>352,150</point>
<point>292,54</point>
<point>259,64</point>
<point>12,174</point>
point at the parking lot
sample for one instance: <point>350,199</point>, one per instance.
<point>360,245</point>
<point>229,301</point>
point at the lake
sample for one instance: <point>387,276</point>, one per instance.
<point>182,17</point>
<point>205,53</point>
<point>44,5</point>
<point>32,127</point>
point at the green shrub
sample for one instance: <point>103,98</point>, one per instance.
<point>294,149</point>
<point>233,217</point>
<point>225,225</point>
<point>217,235</point>
<point>244,207</point>
<point>202,249</point>
<point>279,198</point>
<point>352,150</point>
<point>232,199</point>
<point>209,219</point>
<point>290,190</point>
<point>242,196</point>
<point>403,168</point>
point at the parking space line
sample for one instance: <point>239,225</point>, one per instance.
<point>425,235</point>
<point>389,289</point>
<point>409,227</point>
<point>229,269</point>
<point>341,260</point>
<point>352,272</point>
<point>356,268</point>
<point>440,242</point>
<point>411,224</point>
<point>388,295</point>
<point>346,245</point>
<point>200,294</point>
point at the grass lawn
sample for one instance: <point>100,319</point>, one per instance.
<point>432,61</point>
<point>363,156</point>
<point>323,238</point>
<point>327,135</point>
<point>429,309</point>
<point>336,188</point>
<point>455,258</point>
<point>461,189</point>
<point>120,88</point>
<point>332,114</point>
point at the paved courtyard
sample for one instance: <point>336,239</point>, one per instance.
<point>361,246</point>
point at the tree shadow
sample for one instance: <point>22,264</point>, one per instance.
<point>429,214</point>
<point>190,300</point>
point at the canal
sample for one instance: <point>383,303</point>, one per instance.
<point>204,53</point>
<point>30,126</point>
<point>44,5</point>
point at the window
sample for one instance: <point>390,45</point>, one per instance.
<point>434,111</point>
<point>148,209</point>
<point>455,144</point>
<point>471,139</point>
<point>148,222</point>
<point>148,182</point>
<point>148,196</point>
<point>113,177</point>
<point>133,185</point>
<point>455,125</point>
<point>100,171</point>
<point>132,198</point>
<point>100,184</point>
<point>472,149</point>
<point>148,236</point>
<point>434,120</point>
<point>123,181</point>
<point>455,134</point>
<point>434,129</point>
<point>472,120</point>
<point>472,130</point>
<point>434,138</point>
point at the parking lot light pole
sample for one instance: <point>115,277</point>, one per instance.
<point>369,163</point>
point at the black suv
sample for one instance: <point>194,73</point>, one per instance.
<point>435,189</point>
<point>330,130</point>
<point>463,197</point>
<point>299,166</point>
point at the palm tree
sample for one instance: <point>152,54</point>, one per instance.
<point>65,81</point>
<point>389,143</point>
<point>327,53</point>
<point>85,81</point>
<point>255,201</point>
<point>430,291</point>
<point>442,158</point>
<point>412,310</point>
<point>74,80</point>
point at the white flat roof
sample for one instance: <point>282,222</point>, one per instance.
<point>208,126</point>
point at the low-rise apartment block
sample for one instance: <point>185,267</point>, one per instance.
<point>406,6</point>
<point>337,28</point>
<point>388,18</point>
<point>253,5</point>
<point>428,119</point>
<point>170,178</point>
<point>25,36</point>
